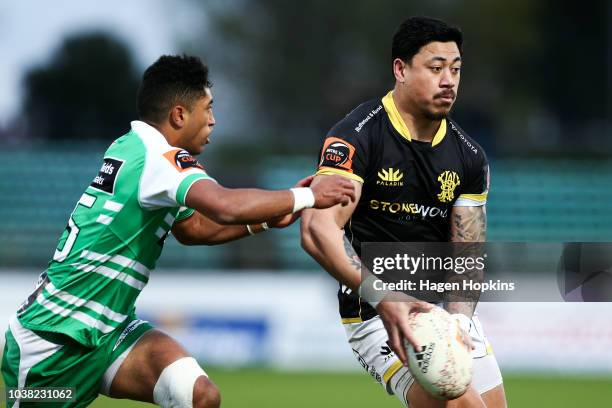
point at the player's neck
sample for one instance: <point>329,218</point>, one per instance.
<point>167,132</point>
<point>420,127</point>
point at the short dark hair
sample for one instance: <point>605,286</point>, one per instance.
<point>417,32</point>
<point>171,80</point>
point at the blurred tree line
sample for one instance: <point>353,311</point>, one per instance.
<point>524,84</point>
<point>86,91</point>
<point>536,74</point>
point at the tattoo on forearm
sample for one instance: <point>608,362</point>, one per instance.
<point>464,301</point>
<point>470,226</point>
<point>353,258</point>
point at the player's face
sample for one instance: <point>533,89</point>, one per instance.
<point>432,80</point>
<point>199,124</point>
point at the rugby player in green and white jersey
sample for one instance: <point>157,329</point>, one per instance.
<point>78,328</point>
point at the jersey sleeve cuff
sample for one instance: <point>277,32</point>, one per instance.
<point>181,191</point>
<point>471,200</point>
<point>343,173</point>
<point>184,213</point>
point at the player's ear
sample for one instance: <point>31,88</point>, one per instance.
<point>177,116</point>
<point>398,70</point>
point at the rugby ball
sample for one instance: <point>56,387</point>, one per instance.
<point>444,365</point>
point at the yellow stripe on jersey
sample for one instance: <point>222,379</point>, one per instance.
<point>349,320</point>
<point>400,126</point>
<point>392,370</point>
<point>479,198</point>
<point>344,173</point>
<point>439,134</point>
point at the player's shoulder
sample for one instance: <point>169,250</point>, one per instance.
<point>144,142</point>
<point>465,142</point>
<point>129,146</point>
<point>358,121</point>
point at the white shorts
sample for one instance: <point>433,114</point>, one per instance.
<point>369,343</point>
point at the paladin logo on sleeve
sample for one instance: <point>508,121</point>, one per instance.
<point>105,180</point>
<point>337,153</point>
<point>182,160</point>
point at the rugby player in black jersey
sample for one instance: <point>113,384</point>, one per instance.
<point>418,178</point>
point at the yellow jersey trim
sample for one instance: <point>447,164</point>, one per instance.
<point>439,134</point>
<point>475,197</point>
<point>395,367</point>
<point>331,170</point>
<point>349,320</point>
<point>400,126</point>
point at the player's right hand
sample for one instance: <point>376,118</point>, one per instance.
<point>332,190</point>
<point>394,315</point>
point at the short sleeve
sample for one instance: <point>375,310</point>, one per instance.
<point>167,177</point>
<point>184,213</point>
<point>477,186</point>
<point>343,153</point>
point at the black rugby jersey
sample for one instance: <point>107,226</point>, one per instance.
<point>409,187</point>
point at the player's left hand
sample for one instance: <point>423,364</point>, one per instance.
<point>286,220</point>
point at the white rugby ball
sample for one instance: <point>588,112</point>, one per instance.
<point>444,365</point>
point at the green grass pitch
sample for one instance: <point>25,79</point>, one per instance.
<point>263,388</point>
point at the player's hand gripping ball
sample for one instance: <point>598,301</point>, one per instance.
<point>444,365</point>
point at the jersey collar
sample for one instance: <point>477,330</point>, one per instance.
<point>400,126</point>
<point>152,135</point>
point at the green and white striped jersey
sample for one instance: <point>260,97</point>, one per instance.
<point>114,237</point>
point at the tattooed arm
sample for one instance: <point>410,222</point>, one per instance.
<point>469,224</point>
<point>324,240</point>
<point>469,229</point>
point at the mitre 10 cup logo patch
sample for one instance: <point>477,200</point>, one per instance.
<point>182,160</point>
<point>105,180</point>
<point>337,153</point>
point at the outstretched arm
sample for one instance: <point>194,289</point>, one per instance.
<point>201,230</point>
<point>253,206</point>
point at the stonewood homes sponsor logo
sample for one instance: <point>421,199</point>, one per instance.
<point>107,176</point>
<point>390,178</point>
<point>369,116</point>
<point>423,211</point>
